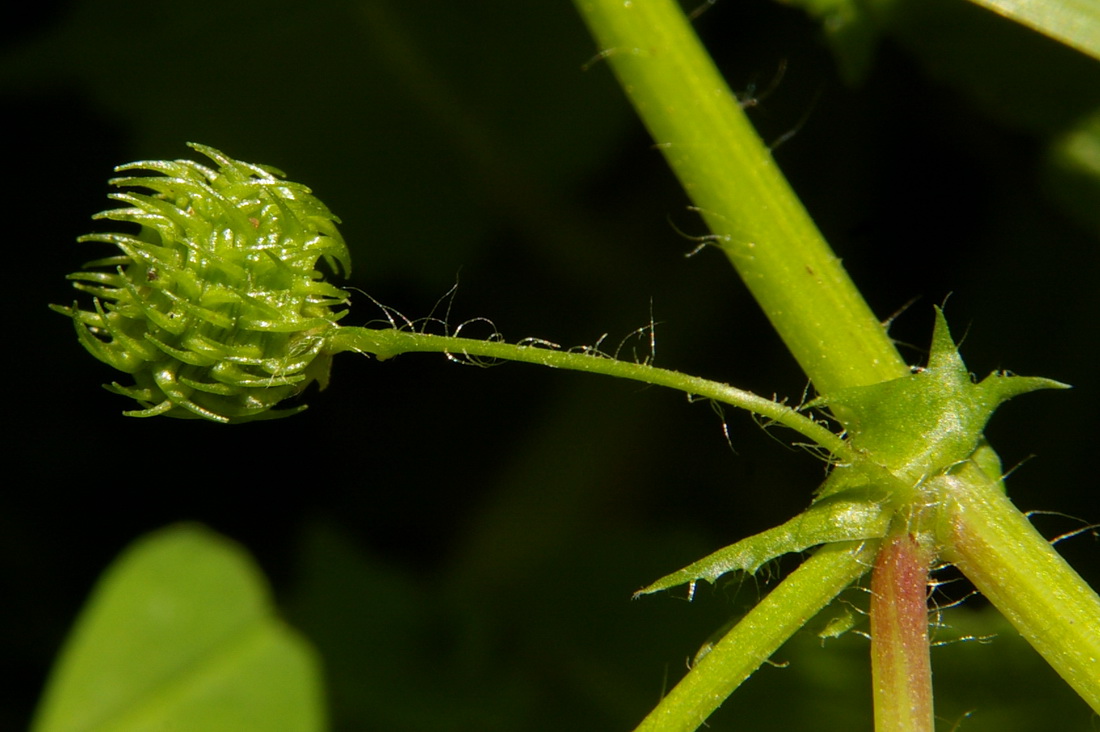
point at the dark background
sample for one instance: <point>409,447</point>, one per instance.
<point>462,543</point>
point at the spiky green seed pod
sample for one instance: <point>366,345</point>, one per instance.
<point>215,306</point>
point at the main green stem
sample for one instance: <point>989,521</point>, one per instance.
<point>732,179</point>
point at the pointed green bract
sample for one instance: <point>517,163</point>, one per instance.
<point>838,518</point>
<point>919,425</point>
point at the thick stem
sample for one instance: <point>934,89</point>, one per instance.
<point>730,175</point>
<point>759,634</point>
<point>900,666</point>
<point>999,550</point>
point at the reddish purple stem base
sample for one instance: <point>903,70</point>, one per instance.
<point>900,663</point>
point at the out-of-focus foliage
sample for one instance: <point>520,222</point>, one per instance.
<point>1073,22</point>
<point>1049,91</point>
<point>180,633</point>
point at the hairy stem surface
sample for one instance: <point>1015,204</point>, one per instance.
<point>1023,576</point>
<point>388,342</point>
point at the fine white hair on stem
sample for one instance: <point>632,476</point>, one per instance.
<point>391,315</point>
<point>1085,528</point>
<point>592,350</point>
<point>701,241</point>
<point>647,334</point>
<point>447,300</point>
<point>495,336</point>
<point>749,98</point>
<point>538,343</point>
<point>789,134</point>
<point>605,53</point>
<point>938,626</point>
<point>962,718</point>
<point>721,412</point>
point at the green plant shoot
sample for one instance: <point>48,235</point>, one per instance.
<point>216,309</point>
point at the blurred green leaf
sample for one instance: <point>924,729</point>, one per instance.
<point>180,633</point>
<point>1073,22</point>
<point>1034,83</point>
<point>1073,171</point>
<point>850,31</point>
<point>1023,80</point>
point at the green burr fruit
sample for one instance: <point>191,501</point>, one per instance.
<point>215,306</point>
